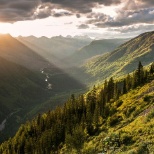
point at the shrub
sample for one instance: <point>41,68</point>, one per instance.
<point>150,115</point>
<point>142,149</point>
<point>136,112</point>
<point>130,110</point>
<point>146,98</point>
<point>112,121</point>
<point>119,103</point>
<point>126,138</point>
<point>113,110</point>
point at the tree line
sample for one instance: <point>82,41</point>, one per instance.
<point>79,118</point>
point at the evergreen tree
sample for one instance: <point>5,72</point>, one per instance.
<point>116,91</point>
<point>140,74</point>
<point>110,89</point>
<point>124,87</point>
<point>152,68</point>
<point>128,82</point>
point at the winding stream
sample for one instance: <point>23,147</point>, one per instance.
<point>46,79</point>
<point>2,125</point>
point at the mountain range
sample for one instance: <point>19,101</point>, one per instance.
<point>28,80</point>
<point>95,48</point>
<point>112,118</point>
<point>31,81</point>
<point>123,59</point>
<point>59,46</point>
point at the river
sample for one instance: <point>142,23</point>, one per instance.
<point>2,125</point>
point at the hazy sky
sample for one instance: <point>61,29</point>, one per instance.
<point>96,18</point>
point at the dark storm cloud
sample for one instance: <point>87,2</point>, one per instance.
<point>15,10</point>
<point>130,18</point>
<point>46,10</point>
<point>98,19</point>
<point>81,6</point>
<point>132,13</point>
<point>135,11</point>
<point>60,14</point>
<point>83,26</point>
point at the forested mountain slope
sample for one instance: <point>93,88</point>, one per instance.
<point>124,59</point>
<point>13,50</point>
<point>26,81</point>
<point>95,48</point>
<point>20,90</point>
<point>59,47</point>
<point>114,117</point>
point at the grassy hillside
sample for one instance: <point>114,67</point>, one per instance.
<point>106,119</point>
<point>96,47</point>
<point>135,126</point>
<point>123,60</point>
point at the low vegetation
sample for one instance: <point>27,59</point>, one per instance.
<point>116,117</point>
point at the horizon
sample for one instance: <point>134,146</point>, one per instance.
<point>69,36</point>
<point>105,19</point>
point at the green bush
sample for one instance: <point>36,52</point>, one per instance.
<point>126,138</point>
<point>142,149</point>
<point>119,103</point>
<point>146,98</point>
<point>130,110</point>
<point>113,110</point>
<point>150,115</point>
<point>112,121</point>
<point>136,112</point>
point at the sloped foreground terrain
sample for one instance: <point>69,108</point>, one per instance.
<point>116,117</point>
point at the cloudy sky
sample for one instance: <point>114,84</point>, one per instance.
<point>96,18</point>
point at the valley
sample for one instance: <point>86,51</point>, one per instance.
<point>76,77</point>
<point>105,119</point>
<point>36,85</point>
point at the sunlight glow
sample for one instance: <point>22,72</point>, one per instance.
<point>44,27</point>
<point>108,10</point>
<point>5,28</point>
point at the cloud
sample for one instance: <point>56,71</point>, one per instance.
<point>133,28</point>
<point>83,26</point>
<point>134,11</point>
<point>68,23</point>
<point>98,18</point>
<point>146,3</point>
<point>80,6</point>
<point>130,5</point>
<point>130,14</point>
<point>17,10</point>
<point>11,11</point>
<point>78,15</point>
<point>128,18</point>
<point>60,14</point>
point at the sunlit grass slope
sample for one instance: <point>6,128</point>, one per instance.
<point>122,60</point>
<point>135,128</point>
